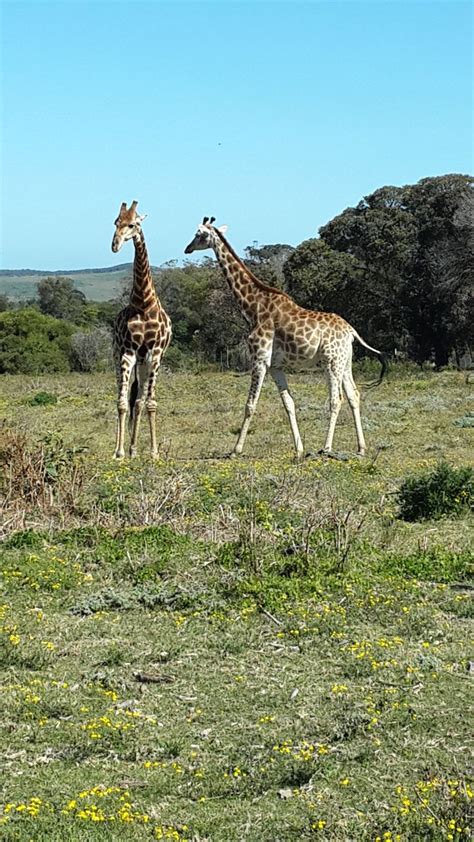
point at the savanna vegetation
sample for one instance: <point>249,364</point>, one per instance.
<point>204,649</point>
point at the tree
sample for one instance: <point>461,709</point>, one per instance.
<point>414,246</point>
<point>59,297</point>
<point>321,278</point>
<point>382,235</point>
<point>267,261</point>
<point>439,304</point>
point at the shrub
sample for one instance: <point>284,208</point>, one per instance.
<point>31,343</point>
<point>43,473</point>
<point>91,351</point>
<point>43,399</point>
<point>441,491</point>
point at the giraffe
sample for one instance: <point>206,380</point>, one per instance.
<point>142,333</point>
<point>282,333</point>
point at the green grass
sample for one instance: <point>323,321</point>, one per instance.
<point>222,650</point>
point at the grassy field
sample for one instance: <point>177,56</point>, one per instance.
<point>204,649</point>
<point>96,286</point>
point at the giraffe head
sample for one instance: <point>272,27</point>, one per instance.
<point>204,236</point>
<point>127,224</point>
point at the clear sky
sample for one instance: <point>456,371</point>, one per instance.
<point>271,116</point>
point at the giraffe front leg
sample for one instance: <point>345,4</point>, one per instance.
<point>137,407</point>
<point>279,379</point>
<point>259,371</point>
<point>124,369</point>
<point>151,402</point>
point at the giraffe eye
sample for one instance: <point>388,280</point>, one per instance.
<point>130,224</point>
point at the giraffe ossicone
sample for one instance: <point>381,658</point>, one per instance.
<point>283,333</point>
<point>142,333</point>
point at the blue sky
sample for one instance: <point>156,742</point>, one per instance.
<point>271,116</point>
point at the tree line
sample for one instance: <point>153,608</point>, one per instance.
<point>398,266</point>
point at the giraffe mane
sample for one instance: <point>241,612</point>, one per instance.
<point>257,281</point>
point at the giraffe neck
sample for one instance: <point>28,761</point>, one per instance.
<point>143,290</point>
<point>242,283</point>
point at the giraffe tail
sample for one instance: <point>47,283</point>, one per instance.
<point>132,398</point>
<point>383,363</point>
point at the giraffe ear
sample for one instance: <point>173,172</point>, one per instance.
<point>223,228</point>
<point>141,217</point>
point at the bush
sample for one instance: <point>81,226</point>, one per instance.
<point>91,351</point>
<point>441,491</point>
<point>43,399</point>
<point>31,343</point>
<point>43,473</point>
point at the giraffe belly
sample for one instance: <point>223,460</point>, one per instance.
<point>295,351</point>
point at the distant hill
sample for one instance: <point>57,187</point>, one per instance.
<point>96,284</point>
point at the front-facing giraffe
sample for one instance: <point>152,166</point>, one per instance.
<point>142,333</point>
<point>284,333</point>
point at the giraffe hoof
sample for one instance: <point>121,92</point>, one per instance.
<point>119,454</point>
<point>325,453</point>
<point>133,452</point>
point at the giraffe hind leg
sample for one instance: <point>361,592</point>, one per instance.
<point>136,402</point>
<point>335,401</point>
<point>353,399</point>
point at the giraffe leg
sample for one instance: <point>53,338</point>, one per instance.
<point>279,379</point>
<point>142,374</point>
<point>260,344</point>
<point>353,398</point>
<point>335,401</point>
<point>151,401</point>
<point>125,366</point>
<point>259,371</point>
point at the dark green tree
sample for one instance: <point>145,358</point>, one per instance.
<point>414,245</point>
<point>382,235</point>
<point>58,297</point>
<point>438,300</point>
<point>321,278</point>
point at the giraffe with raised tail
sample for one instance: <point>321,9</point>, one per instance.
<point>142,333</point>
<point>283,333</point>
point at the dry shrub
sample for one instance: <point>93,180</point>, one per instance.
<point>37,476</point>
